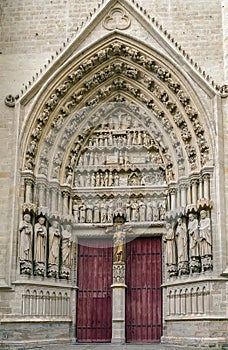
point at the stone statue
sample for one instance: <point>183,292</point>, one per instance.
<point>40,240</point>
<point>170,255</point>
<point>89,212</point>
<point>142,211</point>
<point>82,216</point>
<point>25,245</point>
<point>76,211</point>
<point>205,234</point>
<point>54,243</point>
<point>169,239</point>
<point>66,246</point>
<point>193,231</point>
<point>96,212</point>
<point>110,211</point>
<point>103,212</point>
<point>182,246</point>
<point>134,211</point>
<point>182,242</point>
<point>119,245</point>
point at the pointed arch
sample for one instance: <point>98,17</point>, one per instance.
<point>117,65</point>
<point>117,74</point>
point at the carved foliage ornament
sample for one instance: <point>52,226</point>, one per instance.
<point>117,19</point>
<point>116,49</point>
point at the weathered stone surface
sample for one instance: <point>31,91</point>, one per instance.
<point>65,158</point>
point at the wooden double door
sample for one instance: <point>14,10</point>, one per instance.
<point>143,293</point>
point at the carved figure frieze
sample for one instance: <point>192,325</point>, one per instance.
<point>101,210</point>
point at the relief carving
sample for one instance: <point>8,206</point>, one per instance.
<point>131,72</point>
<point>117,19</point>
<point>118,273</point>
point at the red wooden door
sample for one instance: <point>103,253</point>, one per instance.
<point>94,304</point>
<point>144,295</point>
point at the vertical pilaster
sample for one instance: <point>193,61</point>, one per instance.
<point>118,304</point>
<point>118,286</point>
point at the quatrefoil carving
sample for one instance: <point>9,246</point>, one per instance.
<point>117,19</point>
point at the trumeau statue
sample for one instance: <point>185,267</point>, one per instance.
<point>119,245</point>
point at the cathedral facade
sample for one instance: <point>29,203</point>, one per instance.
<point>113,164</point>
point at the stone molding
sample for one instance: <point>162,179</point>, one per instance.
<point>168,107</point>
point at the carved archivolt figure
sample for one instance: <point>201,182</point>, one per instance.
<point>182,241</point>
<point>54,243</point>
<point>66,246</point>
<point>26,229</point>
<point>169,239</point>
<point>205,234</point>
<point>40,240</point>
<point>193,230</point>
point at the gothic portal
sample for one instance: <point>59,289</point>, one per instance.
<point>117,235</point>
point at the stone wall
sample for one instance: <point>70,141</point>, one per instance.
<point>32,32</point>
<point>38,30</point>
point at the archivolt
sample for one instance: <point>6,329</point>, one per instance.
<point>117,71</point>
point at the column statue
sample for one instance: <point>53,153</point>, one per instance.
<point>193,231</point>
<point>182,247</point>
<point>25,245</point>
<point>40,241</point>
<point>205,241</point>
<point>170,255</point>
<point>66,250</point>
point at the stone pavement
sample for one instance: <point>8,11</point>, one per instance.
<point>155,346</point>
<point>117,347</point>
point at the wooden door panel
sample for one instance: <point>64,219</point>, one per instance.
<point>94,306</point>
<point>143,297</point>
